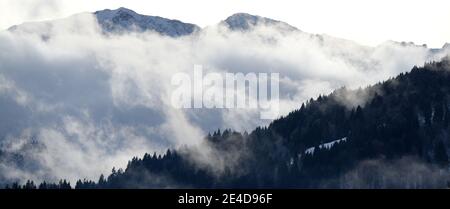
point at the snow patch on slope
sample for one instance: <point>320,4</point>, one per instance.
<point>328,145</point>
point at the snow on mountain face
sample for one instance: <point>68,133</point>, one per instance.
<point>244,21</point>
<point>123,19</point>
<point>325,145</point>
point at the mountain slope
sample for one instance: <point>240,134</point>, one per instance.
<point>397,138</point>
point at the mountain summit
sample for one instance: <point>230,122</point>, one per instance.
<point>446,45</point>
<point>244,21</point>
<point>124,19</point>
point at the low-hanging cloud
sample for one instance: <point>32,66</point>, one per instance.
<point>404,173</point>
<point>93,101</point>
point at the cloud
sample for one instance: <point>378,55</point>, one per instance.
<point>94,101</point>
<point>403,173</point>
<point>22,10</point>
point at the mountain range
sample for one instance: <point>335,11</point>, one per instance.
<point>125,20</point>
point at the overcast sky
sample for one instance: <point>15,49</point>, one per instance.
<point>367,22</point>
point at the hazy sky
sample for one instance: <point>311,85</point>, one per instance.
<point>367,22</point>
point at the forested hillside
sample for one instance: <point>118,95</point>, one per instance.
<point>394,134</point>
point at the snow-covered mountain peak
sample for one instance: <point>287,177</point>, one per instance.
<point>446,46</point>
<point>245,21</point>
<point>122,11</point>
<point>123,19</point>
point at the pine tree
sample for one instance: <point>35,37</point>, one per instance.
<point>440,154</point>
<point>101,181</point>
